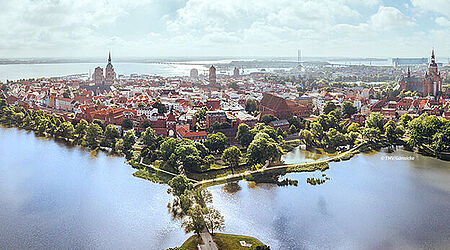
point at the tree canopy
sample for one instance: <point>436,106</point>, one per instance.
<point>216,142</point>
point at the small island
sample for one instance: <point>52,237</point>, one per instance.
<point>225,241</point>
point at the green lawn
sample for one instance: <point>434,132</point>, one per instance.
<point>230,241</point>
<point>224,242</point>
<point>191,243</point>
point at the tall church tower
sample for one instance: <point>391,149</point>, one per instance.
<point>110,75</point>
<point>212,76</point>
<point>433,81</point>
<point>432,67</point>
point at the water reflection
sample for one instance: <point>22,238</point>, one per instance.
<point>231,187</point>
<point>369,203</point>
<point>54,196</point>
<point>299,155</point>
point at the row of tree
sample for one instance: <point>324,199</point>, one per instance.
<point>193,207</point>
<point>431,131</point>
<point>83,133</point>
<point>329,131</point>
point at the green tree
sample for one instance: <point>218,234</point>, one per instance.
<point>150,139</point>
<point>244,135</point>
<point>119,146</point>
<point>316,129</point>
<point>192,163</point>
<point>129,140</point>
<point>328,121</point>
<point>66,130</point>
<point>404,120</point>
<point>201,113</point>
<point>251,105</point>
<point>168,147</point>
<point>178,185</point>
<point>187,156</point>
<point>161,107</point>
<point>296,122</point>
<point>306,137</point>
<point>127,124</point>
<point>263,148</point>
<point>232,155</point>
<point>111,133</point>
<point>267,118</point>
<point>334,139</point>
<point>201,196</point>
<point>18,118</point>
<point>195,221</point>
<point>329,106</point>
<point>145,124</point>
<point>214,220</point>
<point>97,121</point>
<point>292,129</point>
<point>425,130</point>
<point>390,131</point>
<point>354,127</point>
<point>202,149</point>
<point>93,132</point>
<point>209,160</point>
<point>376,121</point>
<point>80,128</point>
<point>371,134</point>
<point>415,129</point>
<point>216,142</point>
<point>348,109</point>
<point>280,132</point>
<point>351,137</point>
<point>3,103</point>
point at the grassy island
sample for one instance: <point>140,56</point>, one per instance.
<point>224,241</point>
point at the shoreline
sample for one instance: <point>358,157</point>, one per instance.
<point>263,175</point>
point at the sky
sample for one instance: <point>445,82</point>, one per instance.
<point>168,28</point>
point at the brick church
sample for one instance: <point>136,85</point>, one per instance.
<point>429,85</point>
<point>281,108</point>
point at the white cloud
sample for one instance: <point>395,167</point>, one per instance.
<point>206,27</point>
<point>442,21</point>
<point>389,17</point>
<point>439,6</point>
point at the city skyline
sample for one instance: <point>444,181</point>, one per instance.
<point>154,28</point>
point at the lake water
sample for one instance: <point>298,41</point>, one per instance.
<point>370,203</point>
<point>54,196</point>
<point>25,71</point>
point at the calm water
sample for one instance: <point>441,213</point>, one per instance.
<point>25,71</point>
<point>299,155</point>
<point>52,196</point>
<point>369,203</point>
<point>55,197</point>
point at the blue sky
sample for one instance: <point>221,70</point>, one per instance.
<point>352,28</point>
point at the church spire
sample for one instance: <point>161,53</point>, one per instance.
<point>109,58</point>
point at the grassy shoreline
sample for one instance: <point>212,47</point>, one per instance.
<point>223,241</point>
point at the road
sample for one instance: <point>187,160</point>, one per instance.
<point>208,242</point>
<point>265,168</point>
<point>163,171</point>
